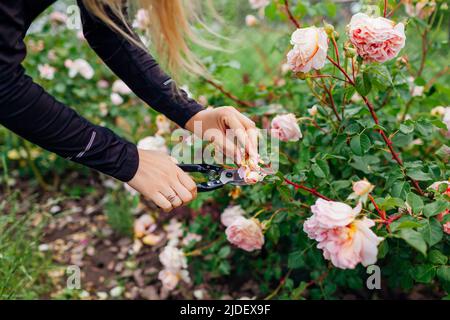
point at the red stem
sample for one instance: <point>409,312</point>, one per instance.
<point>312,191</point>
<point>382,213</point>
<point>230,95</point>
<point>336,49</point>
<point>385,8</point>
<point>290,15</point>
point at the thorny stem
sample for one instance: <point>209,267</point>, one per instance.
<point>290,15</point>
<point>382,213</point>
<point>385,8</point>
<point>310,190</point>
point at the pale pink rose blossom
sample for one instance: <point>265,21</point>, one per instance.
<point>230,214</point>
<point>116,99</point>
<point>328,215</point>
<point>362,187</point>
<point>141,20</point>
<point>310,49</point>
<point>350,245</point>
<point>258,4</point>
<point>445,226</point>
<point>446,120</point>
<point>153,143</point>
<point>120,87</point>
<point>251,20</point>
<point>46,71</point>
<point>436,186</point>
<point>245,234</point>
<point>313,111</point>
<point>163,124</point>
<point>102,84</point>
<point>58,17</point>
<point>79,66</point>
<point>286,128</point>
<point>173,258</point>
<point>376,39</point>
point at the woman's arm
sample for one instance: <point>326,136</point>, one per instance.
<point>28,110</point>
<point>138,69</point>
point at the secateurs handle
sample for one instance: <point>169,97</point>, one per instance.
<point>212,171</point>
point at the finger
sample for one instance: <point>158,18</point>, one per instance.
<point>187,181</point>
<point>239,131</point>
<point>252,133</point>
<point>222,145</point>
<point>161,201</point>
<point>171,195</point>
<point>183,193</point>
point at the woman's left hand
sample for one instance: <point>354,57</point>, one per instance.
<point>213,125</point>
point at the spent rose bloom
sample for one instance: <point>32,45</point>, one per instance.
<point>376,39</point>
<point>310,49</point>
<point>153,143</point>
<point>347,246</point>
<point>286,128</point>
<point>144,225</point>
<point>251,20</point>
<point>245,234</point>
<point>79,66</point>
<point>230,214</point>
<point>173,258</point>
<point>362,187</point>
<point>46,71</point>
<point>120,87</point>
<point>258,4</point>
<point>170,278</point>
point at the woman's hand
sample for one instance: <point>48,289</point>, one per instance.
<point>214,126</point>
<point>160,180</point>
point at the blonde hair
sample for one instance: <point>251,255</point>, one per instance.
<point>169,27</point>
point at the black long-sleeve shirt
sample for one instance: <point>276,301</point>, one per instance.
<point>29,111</point>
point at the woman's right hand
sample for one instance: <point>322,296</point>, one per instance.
<point>160,180</point>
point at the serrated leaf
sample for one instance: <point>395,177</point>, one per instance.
<point>435,208</point>
<point>360,144</point>
<point>424,273</point>
<point>444,273</point>
<point>415,202</point>
<point>431,231</point>
<point>437,257</point>
<point>295,259</point>
<point>363,85</point>
<point>414,239</point>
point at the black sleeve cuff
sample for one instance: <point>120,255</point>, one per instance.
<point>129,165</point>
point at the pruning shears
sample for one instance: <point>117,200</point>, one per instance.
<point>218,176</point>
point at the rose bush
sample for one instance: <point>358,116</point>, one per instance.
<point>363,176</point>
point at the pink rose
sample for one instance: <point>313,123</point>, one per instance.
<point>251,20</point>
<point>258,4</point>
<point>310,49</point>
<point>446,226</point>
<point>350,245</point>
<point>376,39</point>
<point>170,279</point>
<point>46,71</point>
<point>121,88</point>
<point>436,186</point>
<point>246,234</point>
<point>362,187</point>
<point>230,214</point>
<point>330,214</point>
<point>286,128</point>
<point>173,258</point>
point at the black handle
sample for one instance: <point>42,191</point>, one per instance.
<point>202,168</point>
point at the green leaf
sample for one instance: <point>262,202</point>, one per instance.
<point>437,257</point>
<point>444,273</point>
<point>295,259</point>
<point>415,202</point>
<point>433,209</point>
<point>224,252</point>
<point>431,231</point>
<point>424,273</point>
<point>415,240</point>
<point>363,85</point>
<point>419,175</point>
<point>379,76</point>
<point>321,169</point>
<point>360,144</point>
<point>405,223</point>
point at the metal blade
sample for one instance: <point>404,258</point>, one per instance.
<point>232,177</point>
